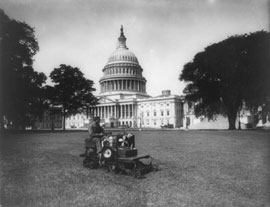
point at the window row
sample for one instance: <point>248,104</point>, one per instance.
<point>155,113</point>
<point>123,57</point>
<point>156,104</point>
<point>155,121</point>
<point>113,71</point>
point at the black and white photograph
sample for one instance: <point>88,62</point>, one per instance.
<point>143,103</point>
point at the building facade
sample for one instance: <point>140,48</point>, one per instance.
<point>123,100</point>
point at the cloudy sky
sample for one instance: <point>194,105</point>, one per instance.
<point>163,34</point>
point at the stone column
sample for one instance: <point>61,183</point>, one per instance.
<point>101,112</point>
<point>95,111</point>
<point>127,111</point>
<point>123,111</point>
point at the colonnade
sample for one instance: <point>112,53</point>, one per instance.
<point>123,71</point>
<point>125,111</point>
<point>122,85</point>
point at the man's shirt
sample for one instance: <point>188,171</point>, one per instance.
<point>95,129</point>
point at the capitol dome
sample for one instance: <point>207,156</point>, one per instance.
<point>122,73</point>
<point>122,54</point>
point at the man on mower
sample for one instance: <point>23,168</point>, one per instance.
<point>96,132</point>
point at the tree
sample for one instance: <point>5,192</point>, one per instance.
<point>227,73</point>
<point>72,91</point>
<point>21,86</point>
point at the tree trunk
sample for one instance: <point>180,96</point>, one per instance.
<point>64,120</point>
<point>232,119</point>
<point>52,126</point>
<point>2,125</point>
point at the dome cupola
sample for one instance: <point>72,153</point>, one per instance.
<point>122,39</point>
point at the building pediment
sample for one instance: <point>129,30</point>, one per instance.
<point>103,100</point>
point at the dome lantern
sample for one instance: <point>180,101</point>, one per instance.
<point>122,39</point>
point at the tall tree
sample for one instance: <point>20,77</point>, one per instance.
<point>21,86</point>
<point>72,91</point>
<point>227,73</point>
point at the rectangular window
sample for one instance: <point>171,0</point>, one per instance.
<point>168,113</point>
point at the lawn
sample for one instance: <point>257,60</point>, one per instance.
<point>197,168</point>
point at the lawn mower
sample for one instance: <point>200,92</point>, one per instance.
<point>118,155</point>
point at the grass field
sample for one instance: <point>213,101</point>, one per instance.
<point>197,168</point>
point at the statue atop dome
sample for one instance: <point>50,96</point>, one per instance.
<point>122,29</point>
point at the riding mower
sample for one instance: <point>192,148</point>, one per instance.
<point>118,155</point>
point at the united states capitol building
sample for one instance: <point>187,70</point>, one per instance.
<point>123,98</point>
<point>123,101</point>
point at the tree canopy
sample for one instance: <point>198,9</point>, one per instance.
<point>72,91</point>
<point>227,73</point>
<point>21,86</point>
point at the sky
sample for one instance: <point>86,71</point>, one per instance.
<point>163,34</point>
